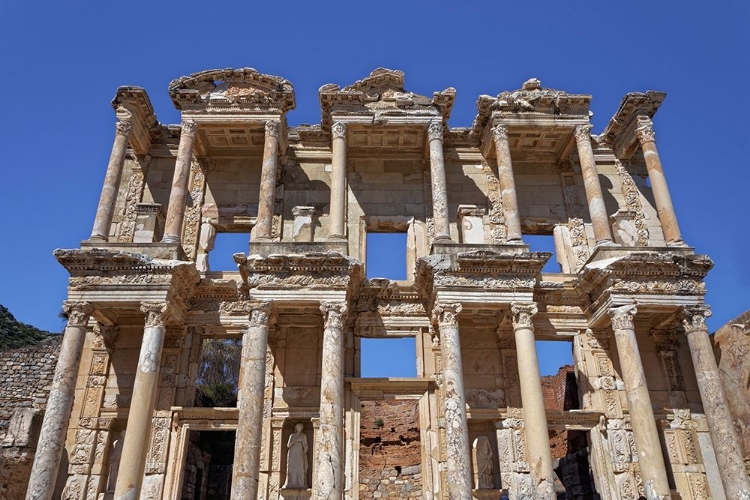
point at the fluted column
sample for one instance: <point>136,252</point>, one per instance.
<point>142,402</point>
<point>723,433</point>
<point>456,425</point>
<point>597,209</point>
<point>437,175</point>
<point>248,438</point>
<point>106,208</point>
<point>667,217</point>
<point>532,400</point>
<point>642,419</point>
<point>178,193</point>
<point>337,218</point>
<point>59,404</point>
<point>507,185</point>
<point>329,440</point>
<point>264,224</point>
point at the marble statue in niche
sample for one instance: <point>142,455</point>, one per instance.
<point>482,455</point>
<point>296,459</point>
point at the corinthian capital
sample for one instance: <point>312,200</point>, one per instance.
<point>273,127</point>
<point>447,313</point>
<point>189,127</point>
<point>622,316</point>
<point>694,318</point>
<point>124,126</point>
<point>500,133</point>
<point>333,313</point>
<point>78,312</point>
<point>645,132</point>
<point>260,313</point>
<point>435,130</point>
<point>583,132</point>
<point>156,313</point>
<point>522,314</point>
<point>338,130</point>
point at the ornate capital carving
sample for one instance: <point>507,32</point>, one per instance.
<point>435,130</point>
<point>622,316</point>
<point>694,318</point>
<point>78,312</point>
<point>583,132</point>
<point>124,126</point>
<point>500,133</point>
<point>446,313</point>
<point>273,127</point>
<point>522,314</point>
<point>156,313</point>
<point>260,313</point>
<point>333,313</point>
<point>338,130</point>
<point>189,128</point>
<point>645,133</point>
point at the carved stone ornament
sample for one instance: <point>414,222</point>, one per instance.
<point>105,336</point>
<point>646,133</point>
<point>155,313</point>
<point>435,130</point>
<point>583,132</point>
<point>260,313</point>
<point>124,127</point>
<point>338,130</point>
<point>78,312</point>
<point>189,127</point>
<point>333,313</point>
<point>447,313</point>
<point>522,314</point>
<point>500,133</point>
<point>622,316</point>
<point>695,318</point>
<point>272,127</point>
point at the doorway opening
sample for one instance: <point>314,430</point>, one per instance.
<point>208,465</point>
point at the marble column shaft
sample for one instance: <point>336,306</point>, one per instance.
<point>532,399</point>
<point>179,190</point>
<point>337,218</point>
<point>59,404</point>
<point>642,418</point>
<point>329,440</point>
<point>507,185</point>
<point>106,209</point>
<point>597,209</point>
<point>456,424</point>
<point>662,198</point>
<point>437,175</point>
<point>724,436</point>
<point>264,224</point>
<point>248,439</point>
<point>142,403</point>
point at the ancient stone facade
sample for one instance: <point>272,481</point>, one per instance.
<point>142,297</point>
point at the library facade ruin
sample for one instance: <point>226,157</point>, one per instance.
<point>644,413</point>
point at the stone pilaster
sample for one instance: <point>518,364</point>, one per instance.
<point>532,400</point>
<point>597,209</point>
<point>108,199</point>
<point>337,217</point>
<point>59,404</point>
<point>264,224</point>
<point>642,419</point>
<point>247,447</point>
<point>142,403</point>
<point>329,440</point>
<point>507,185</point>
<point>723,434</point>
<point>437,175</point>
<point>178,193</point>
<point>454,405</point>
<point>664,207</point>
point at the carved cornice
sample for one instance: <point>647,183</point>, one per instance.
<point>333,314</point>
<point>189,128</point>
<point>694,318</point>
<point>156,313</point>
<point>522,314</point>
<point>338,130</point>
<point>435,130</point>
<point>622,316</point>
<point>78,312</point>
<point>291,271</point>
<point>583,132</point>
<point>272,128</point>
<point>446,313</point>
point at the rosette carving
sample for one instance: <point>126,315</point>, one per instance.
<point>338,130</point>
<point>522,314</point>
<point>646,133</point>
<point>500,133</point>
<point>622,316</point>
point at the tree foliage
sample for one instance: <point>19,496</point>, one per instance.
<point>219,373</point>
<point>15,334</point>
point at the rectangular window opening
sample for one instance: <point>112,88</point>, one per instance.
<point>383,358</point>
<point>225,245</point>
<point>218,373</point>
<point>544,243</point>
<point>386,255</point>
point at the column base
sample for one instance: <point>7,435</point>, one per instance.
<point>169,238</point>
<point>606,243</point>
<point>97,238</point>
<point>677,243</point>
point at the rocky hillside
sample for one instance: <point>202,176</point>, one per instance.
<point>14,334</point>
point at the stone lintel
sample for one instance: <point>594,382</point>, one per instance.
<point>269,248</point>
<point>155,250</point>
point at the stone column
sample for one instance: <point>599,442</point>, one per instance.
<point>507,185</point>
<point>329,440</point>
<point>337,217</point>
<point>264,224</point>
<point>106,208</point>
<point>723,434</point>
<point>142,402</point>
<point>456,425</point>
<point>178,193</point>
<point>59,404</point>
<point>597,209</point>
<point>642,418</point>
<point>437,174</point>
<point>245,472</point>
<point>647,138</point>
<point>532,400</point>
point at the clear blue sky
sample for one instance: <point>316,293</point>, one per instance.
<point>62,61</point>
